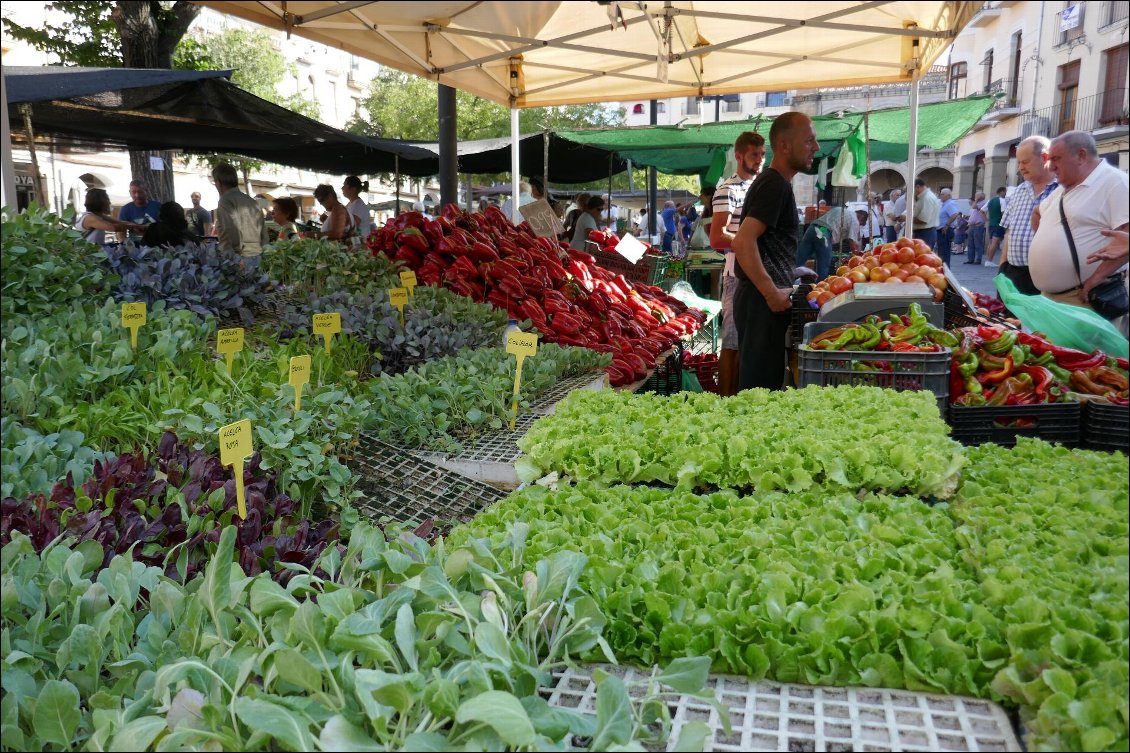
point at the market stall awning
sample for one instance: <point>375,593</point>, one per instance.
<point>691,149</point>
<point>569,161</point>
<point>531,54</point>
<point>198,114</point>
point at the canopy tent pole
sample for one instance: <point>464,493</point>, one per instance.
<point>608,209</point>
<point>515,217</point>
<point>653,184</point>
<point>396,162</point>
<point>448,148</point>
<point>8,181</point>
<point>40,194</point>
<point>545,164</point>
<point>912,159</point>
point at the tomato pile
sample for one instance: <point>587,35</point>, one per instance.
<point>568,297</point>
<point>905,260</point>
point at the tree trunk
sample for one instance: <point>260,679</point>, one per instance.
<point>147,44</point>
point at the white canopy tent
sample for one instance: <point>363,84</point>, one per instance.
<point>534,54</point>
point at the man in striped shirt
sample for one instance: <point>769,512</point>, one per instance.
<point>1039,182</point>
<point>729,198</point>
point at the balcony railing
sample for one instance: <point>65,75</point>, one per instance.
<point>1105,109</point>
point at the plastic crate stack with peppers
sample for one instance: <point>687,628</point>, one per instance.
<point>994,366</point>
<point>906,333</point>
<point>574,302</point>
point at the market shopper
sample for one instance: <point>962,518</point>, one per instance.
<point>351,189</point>
<point>588,220</point>
<point>239,221</point>
<point>1039,182</point>
<point>948,215</point>
<point>96,221</point>
<point>1092,196</point>
<point>727,203</point>
<point>579,207</point>
<point>997,206</point>
<point>834,231</point>
<point>199,219</point>
<point>765,250</point>
<point>284,213</point>
<point>975,235</point>
<point>170,229</point>
<point>338,224</point>
<point>142,209</point>
<point>669,216</point>
<point>927,207</point>
<point>891,211</point>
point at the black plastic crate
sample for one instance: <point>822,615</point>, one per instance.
<point>667,378</point>
<point>1002,424</point>
<point>1106,426</point>
<point>802,314</point>
<point>957,314</point>
<point>908,371</point>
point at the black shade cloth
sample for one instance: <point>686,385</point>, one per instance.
<point>208,114</point>
<point>42,83</point>
<point>569,162</point>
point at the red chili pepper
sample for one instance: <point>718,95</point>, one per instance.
<point>565,324</point>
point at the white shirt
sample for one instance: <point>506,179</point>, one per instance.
<point>1100,202</point>
<point>359,213</point>
<point>93,235</point>
<point>729,197</point>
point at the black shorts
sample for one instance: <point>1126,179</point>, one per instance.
<point>996,231</point>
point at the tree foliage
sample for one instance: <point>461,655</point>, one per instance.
<point>86,36</point>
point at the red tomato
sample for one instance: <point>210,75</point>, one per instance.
<point>888,257</point>
<point>904,243</point>
<point>880,274</point>
<point>858,275</point>
<point>905,255</point>
<point>824,297</point>
<point>932,260</point>
<point>901,274</point>
<point>839,284</point>
<point>842,270</point>
<point>855,261</point>
<point>913,278</point>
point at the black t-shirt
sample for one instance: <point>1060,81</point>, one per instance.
<point>770,199</point>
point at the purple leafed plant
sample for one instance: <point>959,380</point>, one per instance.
<point>132,502</point>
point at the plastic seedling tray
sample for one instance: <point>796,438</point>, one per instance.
<point>777,717</point>
<point>401,487</point>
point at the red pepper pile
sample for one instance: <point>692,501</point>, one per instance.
<point>705,368</point>
<point>996,366</point>
<point>576,302</point>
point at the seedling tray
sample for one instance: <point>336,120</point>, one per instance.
<point>1106,426</point>
<point>1052,422</point>
<point>777,717</point>
<point>401,487</point>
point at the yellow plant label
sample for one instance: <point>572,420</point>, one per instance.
<point>133,317</point>
<point>235,447</point>
<point>399,297</point>
<point>299,376</point>
<point>521,345</point>
<point>327,325</point>
<point>229,342</point>
<point>408,281</point>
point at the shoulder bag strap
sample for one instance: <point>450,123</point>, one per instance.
<point>1070,241</point>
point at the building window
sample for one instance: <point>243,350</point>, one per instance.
<point>637,109</point>
<point>1071,21</point>
<point>958,75</point>
<point>987,64</point>
<point>1116,61</point>
<point>776,99</point>
<point>660,107</point>
<point>733,102</point>
<point>1116,10</point>
<point>1013,86</point>
<point>1068,94</point>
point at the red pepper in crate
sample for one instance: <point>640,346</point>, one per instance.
<point>565,324</point>
<point>482,253</point>
<point>414,239</point>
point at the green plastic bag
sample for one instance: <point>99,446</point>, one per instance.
<point>1065,325</point>
<point>690,382</point>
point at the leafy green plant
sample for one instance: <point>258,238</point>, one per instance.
<point>32,462</point>
<point>46,265</point>
<point>388,645</point>
<point>1048,532</point>
<point>319,267</point>
<point>757,440</point>
<point>443,404</point>
<point>823,587</point>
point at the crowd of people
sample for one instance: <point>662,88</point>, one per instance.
<point>1062,234</point>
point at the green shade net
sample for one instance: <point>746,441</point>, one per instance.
<point>692,149</point>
